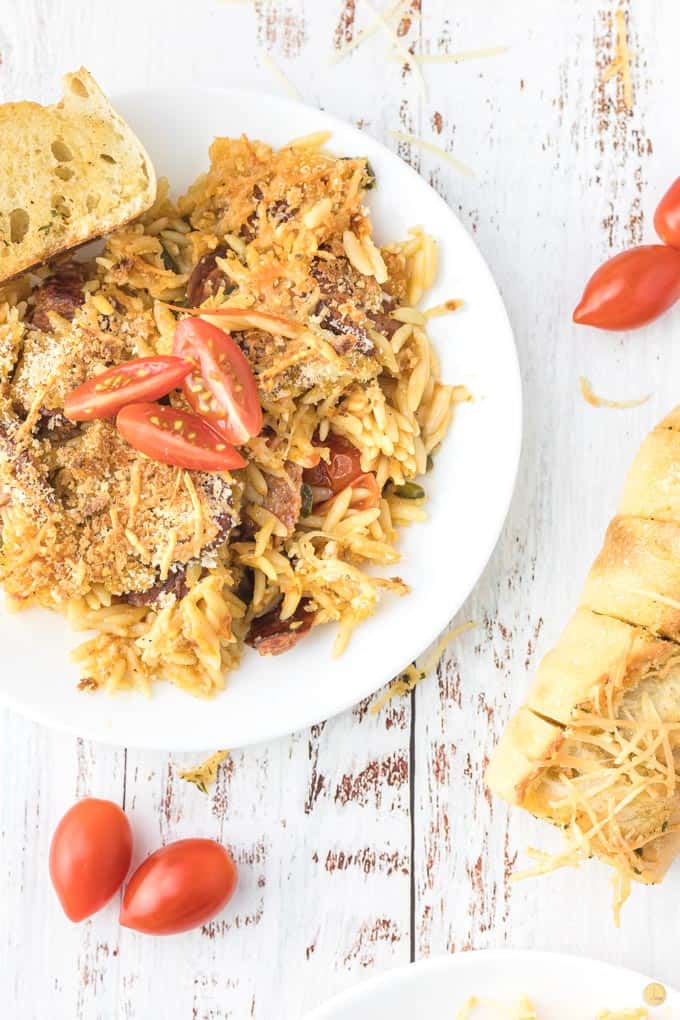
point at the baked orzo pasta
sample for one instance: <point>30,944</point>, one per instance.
<point>175,569</point>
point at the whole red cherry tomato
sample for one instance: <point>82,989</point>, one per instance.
<point>667,215</point>
<point>180,886</point>
<point>631,289</point>
<point>90,855</point>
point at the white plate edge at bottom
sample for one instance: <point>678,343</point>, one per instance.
<point>452,961</point>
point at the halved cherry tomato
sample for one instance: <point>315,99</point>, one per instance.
<point>127,383</point>
<point>181,886</point>
<point>90,855</point>
<point>224,388</point>
<point>667,215</point>
<point>342,468</point>
<point>176,437</point>
<point>631,289</point>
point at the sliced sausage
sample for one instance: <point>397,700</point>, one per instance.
<point>61,293</point>
<point>174,584</point>
<point>270,635</point>
<point>207,277</point>
<point>284,496</point>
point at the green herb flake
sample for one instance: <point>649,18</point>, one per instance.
<point>307,497</point>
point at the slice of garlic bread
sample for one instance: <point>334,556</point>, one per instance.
<point>68,174</point>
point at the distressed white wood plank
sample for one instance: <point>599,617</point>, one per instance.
<point>563,179</point>
<point>47,965</point>
<point>319,826</point>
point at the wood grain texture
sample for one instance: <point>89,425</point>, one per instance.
<point>370,840</point>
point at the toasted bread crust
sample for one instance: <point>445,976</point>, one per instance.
<point>592,652</point>
<point>636,576</point>
<point>70,173</point>
<point>621,647</point>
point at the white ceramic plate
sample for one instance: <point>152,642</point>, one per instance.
<point>560,987</point>
<point>469,488</point>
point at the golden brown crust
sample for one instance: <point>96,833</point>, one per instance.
<point>636,576</point>
<point>592,652</point>
<point>524,750</point>
<point>607,696</point>
<point>672,420</point>
<point>71,173</point>
<point>652,487</point>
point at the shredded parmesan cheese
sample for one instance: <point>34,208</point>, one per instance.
<point>595,401</point>
<point>27,425</point>
<point>198,511</point>
<point>205,774</point>
<point>378,21</point>
<point>166,560</point>
<point>401,136</point>
<point>404,53</point>
<point>413,674</point>
<point>138,546</point>
<point>135,491</point>
<point>285,83</point>
<point>605,765</point>
<point>620,65</point>
<point>314,140</point>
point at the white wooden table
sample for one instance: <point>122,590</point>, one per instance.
<point>369,841</point>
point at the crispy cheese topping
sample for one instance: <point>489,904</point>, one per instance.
<point>612,783</point>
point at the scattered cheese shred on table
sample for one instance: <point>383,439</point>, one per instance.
<point>399,47</point>
<point>205,774</point>
<point>387,15</point>
<point>413,674</point>
<point>285,83</point>
<point>620,65</point>
<point>400,136</point>
<point>591,398</point>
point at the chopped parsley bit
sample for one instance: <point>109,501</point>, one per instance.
<point>307,500</point>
